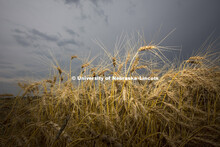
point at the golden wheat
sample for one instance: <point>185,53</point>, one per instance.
<point>85,65</point>
<point>181,108</point>
<point>145,48</point>
<point>73,57</point>
<point>114,61</point>
<point>59,70</point>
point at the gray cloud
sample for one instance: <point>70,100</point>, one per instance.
<point>95,2</point>
<point>69,42</point>
<point>83,16</point>
<point>71,32</point>
<point>6,76</point>
<point>21,40</point>
<point>19,31</point>
<point>97,9</point>
<point>101,13</point>
<point>41,53</point>
<point>72,1</point>
<point>33,37</point>
<point>131,8</point>
<point>2,66</point>
<point>44,35</point>
<point>5,63</point>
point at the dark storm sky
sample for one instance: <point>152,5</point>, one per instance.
<point>30,29</point>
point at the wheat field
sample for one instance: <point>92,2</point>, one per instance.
<point>181,108</point>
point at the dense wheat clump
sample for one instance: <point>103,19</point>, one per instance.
<point>181,108</point>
